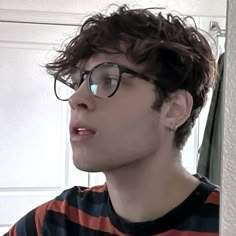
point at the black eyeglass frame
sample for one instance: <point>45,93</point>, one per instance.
<point>122,69</point>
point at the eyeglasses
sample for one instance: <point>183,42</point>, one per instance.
<point>103,80</point>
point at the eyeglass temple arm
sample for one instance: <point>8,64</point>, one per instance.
<point>144,77</point>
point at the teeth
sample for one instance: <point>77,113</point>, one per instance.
<point>81,129</point>
<point>84,131</point>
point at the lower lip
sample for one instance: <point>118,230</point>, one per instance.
<point>81,137</point>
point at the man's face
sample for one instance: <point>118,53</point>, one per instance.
<point>126,128</point>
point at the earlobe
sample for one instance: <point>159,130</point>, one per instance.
<point>177,109</point>
<point>172,128</point>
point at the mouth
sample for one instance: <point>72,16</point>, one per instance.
<point>84,131</point>
<point>81,133</point>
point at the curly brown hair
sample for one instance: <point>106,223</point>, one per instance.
<point>175,53</point>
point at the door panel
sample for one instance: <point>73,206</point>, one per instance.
<point>35,154</point>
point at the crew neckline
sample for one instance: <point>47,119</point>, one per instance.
<point>170,220</point>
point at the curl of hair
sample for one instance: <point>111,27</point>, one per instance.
<point>176,54</point>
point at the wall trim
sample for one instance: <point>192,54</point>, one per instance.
<point>40,17</point>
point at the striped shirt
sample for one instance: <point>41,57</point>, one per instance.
<point>88,211</point>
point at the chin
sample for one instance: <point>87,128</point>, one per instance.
<point>94,167</point>
<point>88,166</point>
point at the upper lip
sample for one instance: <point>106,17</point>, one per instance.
<point>74,126</point>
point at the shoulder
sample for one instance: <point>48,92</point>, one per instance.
<point>67,204</point>
<point>80,192</point>
<point>211,191</point>
<point>75,209</point>
<point>207,214</point>
<point>205,204</point>
<point>78,198</point>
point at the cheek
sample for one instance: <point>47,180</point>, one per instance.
<point>134,124</point>
<point>131,120</point>
<point>136,139</point>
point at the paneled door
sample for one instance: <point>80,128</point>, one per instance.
<point>35,155</point>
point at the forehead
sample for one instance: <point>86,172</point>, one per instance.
<point>97,59</point>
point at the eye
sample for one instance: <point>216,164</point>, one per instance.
<point>109,81</point>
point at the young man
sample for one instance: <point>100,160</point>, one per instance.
<point>136,84</point>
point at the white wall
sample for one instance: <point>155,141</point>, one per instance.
<point>191,7</point>
<point>228,204</point>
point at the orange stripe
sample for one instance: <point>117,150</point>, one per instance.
<point>39,217</point>
<point>214,198</point>
<point>186,233</point>
<point>79,217</point>
<point>12,231</point>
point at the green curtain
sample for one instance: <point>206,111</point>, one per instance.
<point>209,164</point>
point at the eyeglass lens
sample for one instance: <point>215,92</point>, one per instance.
<point>103,81</point>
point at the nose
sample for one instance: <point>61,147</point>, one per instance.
<point>82,98</point>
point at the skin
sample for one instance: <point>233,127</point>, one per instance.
<point>133,145</point>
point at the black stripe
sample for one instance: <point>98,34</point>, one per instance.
<point>30,225</point>
<point>209,211</point>
<point>57,224</point>
<point>200,224</point>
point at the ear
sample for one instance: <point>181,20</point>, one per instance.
<point>176,110</point>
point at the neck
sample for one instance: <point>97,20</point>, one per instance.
<point>148,189</point>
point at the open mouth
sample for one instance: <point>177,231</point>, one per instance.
<point>81,134</point>
<point>84,131</point>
